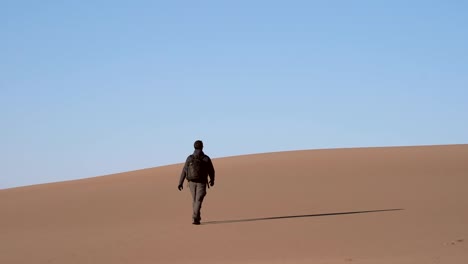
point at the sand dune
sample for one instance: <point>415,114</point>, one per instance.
<point>363,205</point>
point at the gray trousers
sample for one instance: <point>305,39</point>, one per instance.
<point>198,191</point>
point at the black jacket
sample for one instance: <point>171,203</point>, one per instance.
<point>210,168</point>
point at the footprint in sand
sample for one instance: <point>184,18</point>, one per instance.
<point>457,241</point>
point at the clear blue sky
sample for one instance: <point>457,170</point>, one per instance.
<point>96,87</point>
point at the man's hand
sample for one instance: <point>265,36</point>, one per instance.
<point>180,187</point>
<point>211,183</point>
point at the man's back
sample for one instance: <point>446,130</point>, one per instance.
<point>198,167</point>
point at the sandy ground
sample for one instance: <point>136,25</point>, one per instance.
<point>365,205</point>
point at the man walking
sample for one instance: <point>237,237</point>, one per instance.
<point>198,167</point>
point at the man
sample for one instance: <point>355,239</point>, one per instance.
<point>198,167</point>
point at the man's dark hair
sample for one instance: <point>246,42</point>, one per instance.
<point>198,144</point>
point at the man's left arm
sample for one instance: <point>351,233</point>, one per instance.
<point>183,174</point>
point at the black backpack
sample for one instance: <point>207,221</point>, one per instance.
<point>196,170</point>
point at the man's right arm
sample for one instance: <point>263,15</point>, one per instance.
<point>211,172</point>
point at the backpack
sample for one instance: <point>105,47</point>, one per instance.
<point>196,170</point>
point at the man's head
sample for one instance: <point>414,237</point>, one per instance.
<point>198,144</point>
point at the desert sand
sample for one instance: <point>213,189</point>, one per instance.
<point>358,205</point>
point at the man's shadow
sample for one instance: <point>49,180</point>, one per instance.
<point>295,216</point>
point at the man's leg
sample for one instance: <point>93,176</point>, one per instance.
<point>200,193</point>
<point>193,191</point>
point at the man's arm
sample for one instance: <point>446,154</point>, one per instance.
<point>184,173</point>
<point>211,172</point>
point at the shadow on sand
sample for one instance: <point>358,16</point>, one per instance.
<point>295,216</point>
